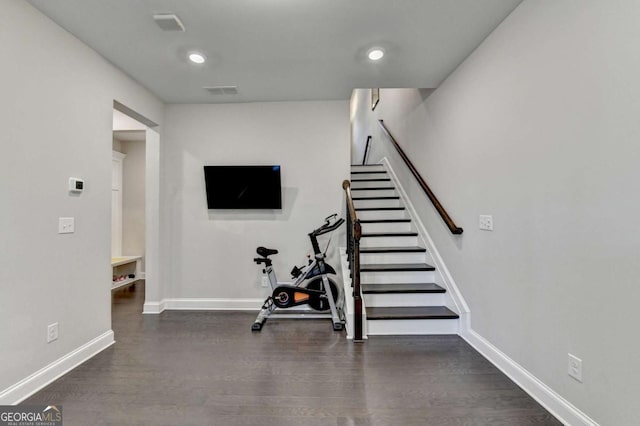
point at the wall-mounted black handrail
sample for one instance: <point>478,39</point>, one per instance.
<point>366,150</point>
<point>443,213</point>
<point>354,232</point>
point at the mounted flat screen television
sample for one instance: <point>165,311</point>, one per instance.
<point>243,187</point>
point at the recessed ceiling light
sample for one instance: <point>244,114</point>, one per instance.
<point>375,54</point>
<point>197,58</point>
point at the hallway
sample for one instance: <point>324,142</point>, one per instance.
<point>208,368</point>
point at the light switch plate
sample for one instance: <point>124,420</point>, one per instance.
<point>66,225</point>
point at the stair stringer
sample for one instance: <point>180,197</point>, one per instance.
<point>453,297</point>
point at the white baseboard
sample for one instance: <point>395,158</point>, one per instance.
<point>41,378</point>
<point>212,304</point>
<point>153,307</point>
<point>562,409</point>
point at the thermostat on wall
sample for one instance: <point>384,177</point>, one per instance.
<point>76,185</point>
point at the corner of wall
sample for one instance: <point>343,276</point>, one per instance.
<point>43,377</point>
<point>562,409</point>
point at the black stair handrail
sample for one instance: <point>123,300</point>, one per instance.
<point>443,213</point>
<point>354,232</point>
<point>366,151</point>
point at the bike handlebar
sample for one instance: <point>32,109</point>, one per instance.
<point>328,226</point>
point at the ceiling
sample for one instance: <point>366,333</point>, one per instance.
<point>281,50</point>
<point>122,122</point>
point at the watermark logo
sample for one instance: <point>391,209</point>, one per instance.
<point>31,415</point>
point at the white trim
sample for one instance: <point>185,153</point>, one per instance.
<point>364,337</point>
<point>417,327</point>
<point>214,304</point>
<point>559,407</point>
<point>153,285</point>
<point>153,273</point>
<point>203,305</point>
<point>153,307</point>
<point>441,268</point>
<point>28,386</point>
<point>118,155</point>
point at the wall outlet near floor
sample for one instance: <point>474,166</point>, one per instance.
<point>52,332</point>
<point>265,281</point>
<point>575,367</point>
<point>486,222</point>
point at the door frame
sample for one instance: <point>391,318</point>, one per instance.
<point>153,303</point>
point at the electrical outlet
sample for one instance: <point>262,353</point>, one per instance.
<point>265,281</point>
<point>486,222</point>
<point>575,367</point>
<point>52,332</point>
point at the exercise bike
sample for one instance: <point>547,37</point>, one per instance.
<point>311,286</point>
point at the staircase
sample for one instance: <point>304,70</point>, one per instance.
<point>399,285</point>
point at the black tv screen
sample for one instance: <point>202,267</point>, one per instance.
<point>243,187</point>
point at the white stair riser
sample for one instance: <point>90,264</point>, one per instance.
<point>376,203</point>
<point>380,258</point>
<point>390,277</point>
<point>372,184</point>
<point>366,167</point>
<point>370,175</point>
<point>375,193</point>
<point>386,227</point>
<point>382,214</point>
<point>404,299</point>
<point>415,327</point>
<point>388,241</point>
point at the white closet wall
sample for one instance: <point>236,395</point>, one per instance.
<point>117,161</point>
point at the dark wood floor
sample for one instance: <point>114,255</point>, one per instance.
<point>208,368</point>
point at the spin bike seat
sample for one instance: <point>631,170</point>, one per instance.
<point>265,252</point>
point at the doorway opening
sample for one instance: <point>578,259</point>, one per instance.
<point>135,205</point>
<point>127,202</point>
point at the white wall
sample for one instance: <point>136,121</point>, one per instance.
<point>360,115</point>
<point>540,127</point>
<point>56,122</point>
<point>133,199</point>
<point>211,251</point>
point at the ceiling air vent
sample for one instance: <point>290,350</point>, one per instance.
<point>168,22</point>
<point>222,90</point>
